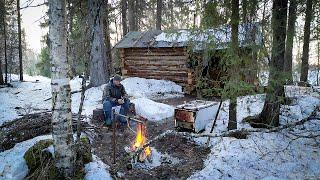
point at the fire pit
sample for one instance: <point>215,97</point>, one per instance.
<point>139,142</point>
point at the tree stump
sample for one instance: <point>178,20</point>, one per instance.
<point>98,115</point>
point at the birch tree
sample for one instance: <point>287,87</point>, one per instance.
<point>61,101</point>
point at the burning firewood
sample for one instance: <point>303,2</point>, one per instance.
<point>140,140</point>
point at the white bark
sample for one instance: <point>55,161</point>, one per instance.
<point>98,60</point>
<point>61,112</point>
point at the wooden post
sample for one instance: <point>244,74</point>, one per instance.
<point>114,135</point>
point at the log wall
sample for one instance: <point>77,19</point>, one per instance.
<point>159,63</point>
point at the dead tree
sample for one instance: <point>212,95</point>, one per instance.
<point>61,108</point>
<point>306,41</point>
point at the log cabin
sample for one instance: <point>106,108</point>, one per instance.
<point>182,55</point>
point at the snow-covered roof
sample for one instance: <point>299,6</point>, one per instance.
<point>218,38</point>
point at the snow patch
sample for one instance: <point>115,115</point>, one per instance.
<point>13,165</point>
<point>97,170</point>
<point>151,110</point>
<point>151,88</point>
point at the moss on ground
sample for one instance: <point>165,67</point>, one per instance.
<point>41,163</point>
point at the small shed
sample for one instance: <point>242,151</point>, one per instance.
<point>170,55</point>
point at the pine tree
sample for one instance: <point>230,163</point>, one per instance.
<point>306,41</point>
<point>271,110</point>
<point>98,60</point>
<point>289,41</point>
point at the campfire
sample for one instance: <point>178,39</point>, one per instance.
<point>140,140</point>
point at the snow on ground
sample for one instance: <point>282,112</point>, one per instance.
<point>33,96</point>
<point>152,110</point>
<point>287,154</point>
<point>97,170</point>
<point>13,165</point>
<point>151,88</point>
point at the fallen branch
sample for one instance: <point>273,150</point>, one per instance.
<point>73,92</point>
<point>231,133</point>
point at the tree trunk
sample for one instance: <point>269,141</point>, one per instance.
<point>244,11</point>
<point>98,60</point>
<point>159,14</point>
<point>124,8</point>
<point>20,46</point>
<point>107,40</point>
<point>232,124</point>
<point>1,36</point>
<point>70,53</point>
<point>306,41</point>
<point>289,40</point>
<point>271,109</point>
<point>5,45</point>
<point>318,72</point>
<point>61,101</point>
<point>132,15</point>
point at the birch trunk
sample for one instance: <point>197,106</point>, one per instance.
<point>61,107</point>
<point>98,60</point>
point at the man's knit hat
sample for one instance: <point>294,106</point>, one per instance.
<point>117,77</point>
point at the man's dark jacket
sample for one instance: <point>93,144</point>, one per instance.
<point>112,92</point>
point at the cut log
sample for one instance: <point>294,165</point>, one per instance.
<point>98,115</point>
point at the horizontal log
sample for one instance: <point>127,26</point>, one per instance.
<point>155,62</point>
<point>164,54</point>
<point>159,72</point>
<point>152,68</point>
<point>176,79</point>
<point>145,50</point>
<point>153,58</point>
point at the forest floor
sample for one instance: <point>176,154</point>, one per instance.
<point>175,156</point>
<point>289,153</point>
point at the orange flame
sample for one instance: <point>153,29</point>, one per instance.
<point>141,140</point>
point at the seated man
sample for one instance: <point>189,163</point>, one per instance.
<point>114,94</point>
